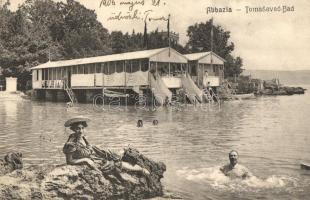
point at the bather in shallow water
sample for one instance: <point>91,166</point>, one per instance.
<point>233,169</point>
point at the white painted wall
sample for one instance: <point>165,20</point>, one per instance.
<point>11,84</point>
<point>214,81</point>
<point>83,80</point>
<point>172,82</point>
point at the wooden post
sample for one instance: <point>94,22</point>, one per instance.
<point>125,88</point>
<point>103,97</point>
<point>124,68</point>
<point>149,63</point>
<point>130,66</point>
<point>150,83</point>
<point>197,72</point>
<point>140,65</point>
<point>203,74</point>
<point>169,69</point>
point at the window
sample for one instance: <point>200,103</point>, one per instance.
<point>112,67</point>
<point>54,74</point>
<point>91,68</point>
<point>64,72</point>
<point>193,69</point>
<point>135,65</point>
<point>42,74</point>
<point>109,67</point>
<point>80,69</point>
<point>86,69</point>
<point>128,67</point>
<point>98,68</point>
<point>46,74</point>
<point>58,73</point>
<point>119,66</point>
<point>144,65</point>
<point>104,67</point>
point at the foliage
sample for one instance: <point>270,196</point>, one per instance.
<point>121,43</point>
<point>200,40</point>
<point>233,66</point>
<point>43,30</point>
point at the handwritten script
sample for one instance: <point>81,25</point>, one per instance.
<point>134,9</point>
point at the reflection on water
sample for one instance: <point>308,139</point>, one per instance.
<point>270,133</point>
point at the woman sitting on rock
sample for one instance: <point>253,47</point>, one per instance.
<point>78,151</point>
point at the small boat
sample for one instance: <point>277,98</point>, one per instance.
<point>305,166</point>
<point>244,96</point>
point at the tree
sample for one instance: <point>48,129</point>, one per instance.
<point>200,41</point>
<point>118,42</point>
<point>233,66</point>
<point>45,30</point>
<point>72,28</point>
<point>84,35</point>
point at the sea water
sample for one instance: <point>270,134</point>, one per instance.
<point>271,135</point>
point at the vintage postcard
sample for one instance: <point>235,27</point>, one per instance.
<point>154,99</point>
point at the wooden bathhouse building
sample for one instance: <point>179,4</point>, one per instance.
<point>155,72</point>
<point>206,69</point>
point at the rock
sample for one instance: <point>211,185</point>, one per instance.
<point>11,162</point>
<point>280,92</point>
<point>80,182</point>
<point>294,90</point>
<point>285,90</point>
<point>267,92</point>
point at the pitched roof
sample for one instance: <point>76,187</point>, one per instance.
<point>200,55</point>
<point>98,59</point>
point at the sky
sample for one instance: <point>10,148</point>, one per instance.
<point>266,40</point>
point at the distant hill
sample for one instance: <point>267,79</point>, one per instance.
<point>300,77</point>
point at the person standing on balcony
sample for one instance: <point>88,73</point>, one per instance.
<point>206,74</point>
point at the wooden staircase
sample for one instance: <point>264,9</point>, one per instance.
<point>70,93</point>
<point>210,95</point>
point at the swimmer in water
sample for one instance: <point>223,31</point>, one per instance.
<point>233,169</point>
<point>140,123</point>
<point>155,122</point>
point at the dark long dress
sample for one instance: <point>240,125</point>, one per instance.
<point>100,157</point>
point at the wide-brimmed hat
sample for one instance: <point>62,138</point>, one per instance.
<point>74,120</point>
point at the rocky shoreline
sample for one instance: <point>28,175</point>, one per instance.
<point>246,85</point>
<point>282,91</point>
<point>80,182</point>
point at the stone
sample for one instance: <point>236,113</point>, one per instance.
<point>11,162</point>
<point>80,182</point>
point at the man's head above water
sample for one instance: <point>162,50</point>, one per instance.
<point>233,170</point>
<point>233,157</point>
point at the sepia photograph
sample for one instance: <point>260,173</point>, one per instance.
<point>154,99</point>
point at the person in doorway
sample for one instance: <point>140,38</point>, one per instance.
<point>233,169</point>
<point>209,88</point>
<point>206,74</point>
